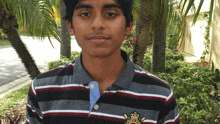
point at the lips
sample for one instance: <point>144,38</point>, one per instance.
<point>99,38</point>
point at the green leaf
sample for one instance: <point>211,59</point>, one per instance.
<point>210,12</point>
<point>191,2</point>
<point>197,12</point>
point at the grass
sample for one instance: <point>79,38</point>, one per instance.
<point>12,99</point>
<point>4,42</point>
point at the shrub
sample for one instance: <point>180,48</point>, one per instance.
<point>174,55</point>
<point>192,86</point>
<point>57,63</point>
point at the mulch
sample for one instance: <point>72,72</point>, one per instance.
<point>206,64</point>
<point>15,113</point>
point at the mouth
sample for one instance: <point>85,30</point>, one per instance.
<point>98,38</point>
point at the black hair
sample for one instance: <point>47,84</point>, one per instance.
<point>125,5</point>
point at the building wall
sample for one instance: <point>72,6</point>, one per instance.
<point>193,44</point>
<point>215,38</point>
<point>194,38</point>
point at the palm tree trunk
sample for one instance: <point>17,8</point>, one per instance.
<point>144,38</point>
<point>22,51</point>
<point>65,47</point>
<point>159,45</point>
<point>8,23</point>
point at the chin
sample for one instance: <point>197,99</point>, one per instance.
<point>101,53</point>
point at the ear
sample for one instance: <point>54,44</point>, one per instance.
<point>70,28</point>
<point>129,29</point>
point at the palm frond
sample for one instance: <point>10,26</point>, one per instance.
<point>210,12</point>
<point>136,9</point>
<point>197,12</point>
<point>37,14</point>
<point>55,3</point>
<point>191,2</point>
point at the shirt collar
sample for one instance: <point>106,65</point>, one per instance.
<point>81,76</point>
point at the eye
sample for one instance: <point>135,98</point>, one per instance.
<point>111,14</point>
<point>85,14</point>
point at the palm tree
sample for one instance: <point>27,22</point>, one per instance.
<point>144,36</point>
<point>151,21</point>
<point>65,46</point>
<point>38,16</point>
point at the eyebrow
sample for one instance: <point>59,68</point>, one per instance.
<point>111,5</point>
<point>85,5</point>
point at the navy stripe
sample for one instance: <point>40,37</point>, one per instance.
<point>116,99</point>
<point>32,98</point>
<point>167,108</point>
<point>79,120</point>
<point>33,115</point>
<point>76,94</point>
<point>137,103</point>
<point>67,70</point>
<point>144,79</point>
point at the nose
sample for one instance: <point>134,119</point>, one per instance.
<point>98,23</point>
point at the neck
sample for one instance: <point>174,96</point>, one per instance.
<point>104,69</point>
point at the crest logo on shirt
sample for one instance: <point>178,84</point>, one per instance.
<point>133,119</point>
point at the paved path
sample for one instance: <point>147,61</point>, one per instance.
<point>11,67</point>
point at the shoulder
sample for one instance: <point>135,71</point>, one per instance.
<point>51,77</point>
<point>145,82</point>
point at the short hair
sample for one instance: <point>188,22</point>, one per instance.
<point>125,5</point>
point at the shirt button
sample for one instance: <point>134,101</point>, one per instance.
<point>96,106</point>
<point>92,86</point>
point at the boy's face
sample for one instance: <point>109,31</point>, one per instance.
<point>99,27</point>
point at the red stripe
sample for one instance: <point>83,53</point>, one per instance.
<point>65,114</point>
<point>71,66</point>
<point>58,68</point>
<point>27,122</point>
<point>136,96</point>
<point>169,100</point>
<point>177,119</point>
<point>144,74</point>
<point>62,88</point>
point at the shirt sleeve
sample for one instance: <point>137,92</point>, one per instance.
<point>33,112</point>
<point>169,114</point>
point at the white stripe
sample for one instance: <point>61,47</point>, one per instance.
<point>172,120</point>
<point>32,88</point>
<point>34,111</point>
<point>31,108</point>
<point>62,66</point>
<point>61,86</point>
<point>68,111</point>
<point>138,94</point>
<point>169,95</point>
<point>107,115</point>
<point>27,120</point>
<point>152,121</point>
<point>141,71</point>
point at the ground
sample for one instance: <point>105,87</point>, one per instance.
<point>18,111</point>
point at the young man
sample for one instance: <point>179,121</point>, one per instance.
<point>102,86</point>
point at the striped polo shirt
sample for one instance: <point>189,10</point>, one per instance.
<point>68,95</point>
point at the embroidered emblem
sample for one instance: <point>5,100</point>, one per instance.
<point>133,119</point>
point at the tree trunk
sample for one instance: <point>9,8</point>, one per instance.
<point>65,46</point>
<point>8,23</point>
<point>144,38</point>
<point>159,46</point>
<point>22,51</point>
